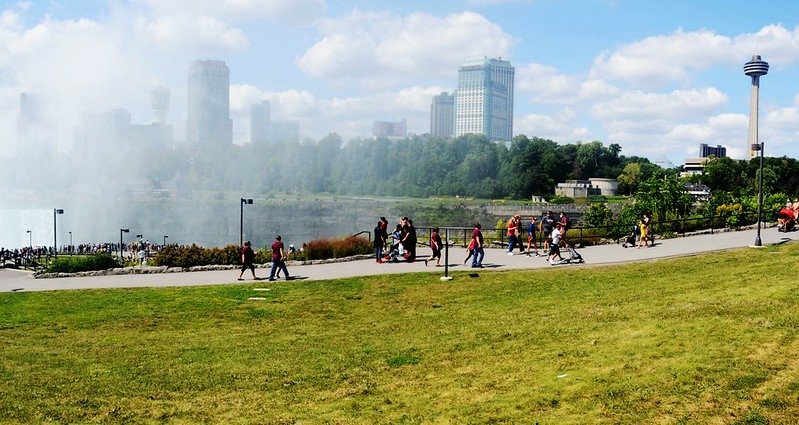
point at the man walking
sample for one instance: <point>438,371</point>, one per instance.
<point>477,239</point>
<point>278,259</point>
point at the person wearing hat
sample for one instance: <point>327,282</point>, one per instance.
<point>247,260</point>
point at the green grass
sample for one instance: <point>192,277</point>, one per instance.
<point>706,339</point>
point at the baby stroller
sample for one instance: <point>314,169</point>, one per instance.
<point>573,258</point>
<point>785,220</point>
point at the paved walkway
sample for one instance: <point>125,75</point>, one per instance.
<point>495,259</point>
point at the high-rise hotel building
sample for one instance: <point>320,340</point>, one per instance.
<point>442,115</point>
<point>208,110</point>
<point>484,99</point>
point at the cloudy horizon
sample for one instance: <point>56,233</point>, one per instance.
<point>658,81</point>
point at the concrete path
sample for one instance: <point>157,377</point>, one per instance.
<point>495,259</point>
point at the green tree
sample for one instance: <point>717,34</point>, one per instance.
<point>630,177</point>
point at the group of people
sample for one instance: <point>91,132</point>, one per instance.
<point>641,234</point>
<point>552,233</point>
<point>399,245</point>
<point>279,257</point>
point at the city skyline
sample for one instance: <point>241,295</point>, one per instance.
<point>656,78</point>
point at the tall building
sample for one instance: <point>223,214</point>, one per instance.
<point>484,99</point>
<point>264,130</point>
<point>755,68</point>
<point>442,115</point>
<point>36,134</point>
<point>159,99</point>
<point>705,151</point>
<point>390,129</point>
<point>260,115</point>
<point>208,109</point>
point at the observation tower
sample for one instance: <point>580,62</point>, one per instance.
<point>755,68</point>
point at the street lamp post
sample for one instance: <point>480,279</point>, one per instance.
<point>165,236</point>
<point>30,242</point>
<point>759,147</point>
<point>121,231</point>
<point>241,220</point>
<point>55,234</point>
<point>70,243</point>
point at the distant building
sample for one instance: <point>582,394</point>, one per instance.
<point>484,99</point>
<point>390,129</point>
<point>706,151</point>
<point>694,166</point>
<point>283,131</point>
<point>260,115</point>
<point>607,187</point>
<point>208,108</point>
<point>36,133</point>
<point>577,189</point>
<point>112,132</point>
<point>159,99</point>
<point>442,115</point>
<point>699,192</point>
<point>264,130</point>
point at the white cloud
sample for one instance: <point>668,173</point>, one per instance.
<point>382,50</point>
<point>194,33</point>
<point>296,12</point>
<point>676,105</point>
<point>665,59</point>
<point>561,126</point>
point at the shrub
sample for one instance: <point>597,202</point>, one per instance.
<point>194,255</point>
<point>337,248</point>
<point>561,200</point>
<point>82,263</point>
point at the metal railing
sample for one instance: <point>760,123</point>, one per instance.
<point>596,235</point>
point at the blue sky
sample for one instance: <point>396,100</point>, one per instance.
<point>656,77</point>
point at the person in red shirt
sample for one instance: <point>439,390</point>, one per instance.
<point>278,259</point>
<point>477,238</point>
<point>435,245</point>
<point>247,260</point>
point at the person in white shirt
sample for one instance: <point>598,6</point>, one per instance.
<point>554,249</point>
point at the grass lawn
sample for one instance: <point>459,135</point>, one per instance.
<point>705,339</point>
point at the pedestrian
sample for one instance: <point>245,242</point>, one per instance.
<point>565,224</point>
<point>554,246</point>
<point>513,231</point>
<point>547,224</point>
<point>469,251</point>
<point>649,235</point>
<point>380,242</point>
<point>409,240</point>
<point>531,237</point>
<point>278,259</point>
<point>644,228</point>
<point>247,260</point>
<point>435,245</point>
<point>477,237</point>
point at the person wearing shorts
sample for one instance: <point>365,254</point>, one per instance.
<point>247,260</point>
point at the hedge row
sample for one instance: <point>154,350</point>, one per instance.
<point>194,255</point>
<point>82,263</point>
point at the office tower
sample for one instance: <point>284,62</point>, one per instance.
<point>159,99</point>
<point>390,129</point>
<point>36,134</point>
<point>442,115</point>
<point>755,68</point>
<point>484,99</point>
<point>208,110</point>
<point>264,130</point>
<point>705,151</point>
<point>283,131</point>
<point>260,115</point>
